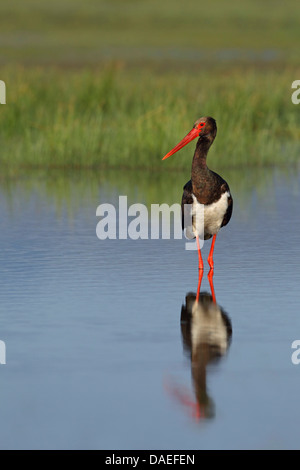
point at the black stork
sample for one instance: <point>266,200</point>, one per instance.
<point>205,187</point>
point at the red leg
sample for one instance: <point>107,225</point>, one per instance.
<point>199,284</point>
<point>210,256</point>
<point>199,254</point>
<point>211,283</point>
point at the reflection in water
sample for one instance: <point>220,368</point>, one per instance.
<point>71,190</point>
<point>206,334</point>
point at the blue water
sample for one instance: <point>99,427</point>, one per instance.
<point>95,356</point>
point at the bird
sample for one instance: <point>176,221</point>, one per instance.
<point>205,190</point>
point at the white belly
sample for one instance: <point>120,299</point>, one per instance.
<point>213,216</point>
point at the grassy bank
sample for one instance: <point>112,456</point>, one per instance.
<point>114,117</point>
<point>173,63</point>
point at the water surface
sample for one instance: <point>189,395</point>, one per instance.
<point>99,353</point>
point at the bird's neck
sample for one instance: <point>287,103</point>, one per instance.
<point>199,167</point>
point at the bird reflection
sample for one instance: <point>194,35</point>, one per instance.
<point>206,334</point>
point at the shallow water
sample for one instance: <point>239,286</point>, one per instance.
<point>96,353</point>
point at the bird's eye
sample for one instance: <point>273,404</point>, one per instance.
<point>201,125</point>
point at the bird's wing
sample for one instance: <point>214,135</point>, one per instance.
<point>228,212</point>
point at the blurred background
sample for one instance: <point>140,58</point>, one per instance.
<point>70,33</point>
<point>99,338</point>
<point>109,83</point>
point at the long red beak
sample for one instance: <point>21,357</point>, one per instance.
<point>188,138</point>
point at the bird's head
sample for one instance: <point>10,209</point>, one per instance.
<point>205,128</point>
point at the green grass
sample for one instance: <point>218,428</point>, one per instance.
<point>114,117</point>
<point>173,62</point>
